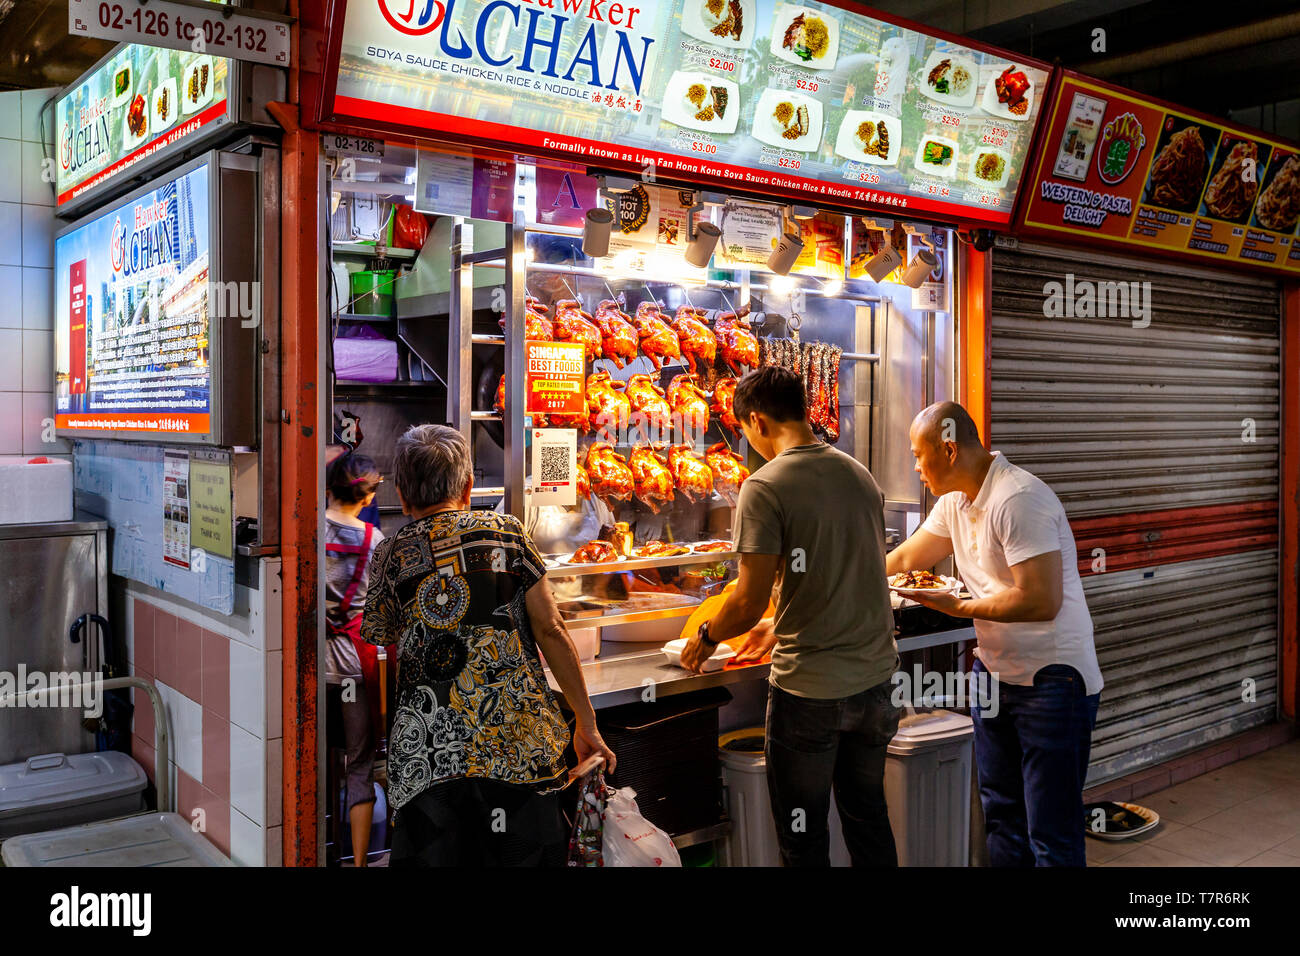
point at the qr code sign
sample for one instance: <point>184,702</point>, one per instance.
<point>555,465</point>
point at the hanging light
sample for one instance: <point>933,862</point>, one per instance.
<point>700,249</point>
<point>919,269</point>
<point>595,232</point>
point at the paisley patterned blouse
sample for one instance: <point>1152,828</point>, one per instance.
<point>472,698</point>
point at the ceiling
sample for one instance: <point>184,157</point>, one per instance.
<point>1244,66</point>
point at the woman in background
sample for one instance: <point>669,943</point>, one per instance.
<point>349,545</point>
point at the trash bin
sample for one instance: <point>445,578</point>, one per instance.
<point>928,788</point>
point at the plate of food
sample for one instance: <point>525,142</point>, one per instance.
<point>712,547</point>
<point>1009,94</point>
<point>937,156</point>
<point>909,583</point>
<point>661,549</point>
<point>949,79</point>
<point>135,125</point>
<point>593,552</point>
<point>723,23</point>
<point>123,84</point>
<point>1117,821</point>
<point>788,120</point>
<point>197,87</point>
<point>805,37</point>
<point>165,106</point>
<point>990,167</point>
<point>868,137</point>
<point>701,101</point>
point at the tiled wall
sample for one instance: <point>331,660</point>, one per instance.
<point>27,228</point>
<point>220,680</point>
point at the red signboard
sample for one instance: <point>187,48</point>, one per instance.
<point>1114,167</point>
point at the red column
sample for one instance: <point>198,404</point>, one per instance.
<point>975,336</point>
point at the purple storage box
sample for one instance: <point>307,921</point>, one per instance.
<point>362,354</point>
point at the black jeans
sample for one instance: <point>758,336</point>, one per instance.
<point>814,745</point>
<point>479,823</point>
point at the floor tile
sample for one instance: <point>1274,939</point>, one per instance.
<point>1179,806</point>
<point>1152,854</point>
<point>1273,857</point>
<point>1218,849</point>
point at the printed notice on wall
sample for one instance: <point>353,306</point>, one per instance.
<point>212,527</point>
<point>176,508</point>
<point>555,466</point>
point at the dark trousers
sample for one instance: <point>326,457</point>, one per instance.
<point>1032,759</point>
<point>479,823</point>
<point>814,745</point>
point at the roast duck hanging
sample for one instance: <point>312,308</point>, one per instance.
<point>724,397</point>
<point>698,345</point>
<point>729,471</point>
<point>659,342</point>
<point>690,407</point>
<point>608,408</point>
<point>537,327</point>
<point>652,414</point>
<point>652,481</point>
<point>608,473</point>
<point>691,475</point>
<point>736,340</point>
<point>572,324</point>
<point>618,336</point>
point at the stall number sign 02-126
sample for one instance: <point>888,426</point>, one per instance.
<point>228,31</point>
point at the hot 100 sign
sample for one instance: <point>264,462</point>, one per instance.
<point>807,100</point>
<point>131,307</point>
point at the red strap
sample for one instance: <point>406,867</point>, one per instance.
<point>357,573</point>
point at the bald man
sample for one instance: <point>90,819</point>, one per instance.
<point>1015,552</point>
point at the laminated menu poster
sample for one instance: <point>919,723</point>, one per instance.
<point>1119,168</point>
<point>131,315</point>
<point>803,100</point>
<point>176,508</point>
<point>472,186</point>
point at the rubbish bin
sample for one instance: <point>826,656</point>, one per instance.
<point>928,787</point>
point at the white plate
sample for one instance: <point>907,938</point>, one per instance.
<point>785,15</point>
<point>567,560</point>
<point>952,586</point>
<point>205,96</point>
<point>1152,820</point>
<point>964,99</point>
<point>119,99</point>
<point>848,145</point>
<point>129,139</point>
<point>173,106</point>
<point>990,183</point>
<point>698,22</point>
<point>768,130</point>
<point>730,546</point>
<point>675,104</point>
<point>943,172</point>
<point>717,660</point>
<point>991,104</point>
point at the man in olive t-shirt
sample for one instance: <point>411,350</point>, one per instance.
<point>810,531</point>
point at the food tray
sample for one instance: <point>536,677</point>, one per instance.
<point>1150,816</point>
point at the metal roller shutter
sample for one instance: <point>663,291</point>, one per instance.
<point>1141,433</point>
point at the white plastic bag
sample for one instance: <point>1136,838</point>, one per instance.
<point>632,840</point>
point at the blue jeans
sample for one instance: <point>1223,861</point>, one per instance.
<point>1032,758</point>
<point>814,745</point>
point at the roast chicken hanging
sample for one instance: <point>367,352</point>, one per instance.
<point>608,473</point>
<point>652,414</point>
<point>537,327</point>
<point>652,481</point>
<point>608,408</point>
<point>729,471</point>
<point>690,407</point>
<point>724,397</point>
<point>691,475</point>
<point>571,324</point>
<point>698,344</point>
<point>618,336</point>
<point>584,483</point>
<point>736,341</point>
<point>659,342</point>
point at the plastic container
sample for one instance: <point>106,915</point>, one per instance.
<point>928,788</point>
<point>58,790</point>
<point>35,489</point>
<point>151,839</point>
<point>372,292</point>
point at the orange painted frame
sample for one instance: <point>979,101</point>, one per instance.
<point>975,336</point>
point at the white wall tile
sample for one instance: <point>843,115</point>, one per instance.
<point>11,359</point>
<point>38,409</point>
<point>248,770</point>
<point>248,689</point>
<point>38,236</point>
<point>185,718</point>
<point>33,101</point>
<point>11,234</point>
<point>247,841</point>
<point>11,292</point>
<point>11,423</point>
<point>11,179</point>
<point>11,114</point>
<point>38,298</point>
<point>35,189</point>
<point>38,360</point>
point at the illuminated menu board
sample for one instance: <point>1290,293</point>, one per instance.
<point>1115,167</point>
<point>137,102</point>
<point>808,101</point>
<point>131,334</point>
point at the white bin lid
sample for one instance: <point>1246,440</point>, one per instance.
<point>53,781</point>
<point>150,839</point>
<point>929,729</point>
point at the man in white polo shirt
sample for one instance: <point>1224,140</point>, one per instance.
<point>1016,554</point>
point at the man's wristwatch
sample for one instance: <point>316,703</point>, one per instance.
<point>708,642</point>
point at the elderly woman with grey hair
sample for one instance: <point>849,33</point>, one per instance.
<point>476,752</point>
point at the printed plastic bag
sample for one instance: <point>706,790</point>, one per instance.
<point>631,839</point>
<point>589,822</point>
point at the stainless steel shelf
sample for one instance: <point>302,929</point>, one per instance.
<point>479,339</point>
<point>631,617</point>
<point>637,564</point>
<point>702,835</point>
<point>485,416</point>
<point>371,251</point>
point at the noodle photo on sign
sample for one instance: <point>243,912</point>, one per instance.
<point>1181,164</point>
<point>1279,202</point>
<point>1235,184</point>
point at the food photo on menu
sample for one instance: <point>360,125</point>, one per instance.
<point>1234,183</point>
<point>1181,164</point>
<point>1278,207</point>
